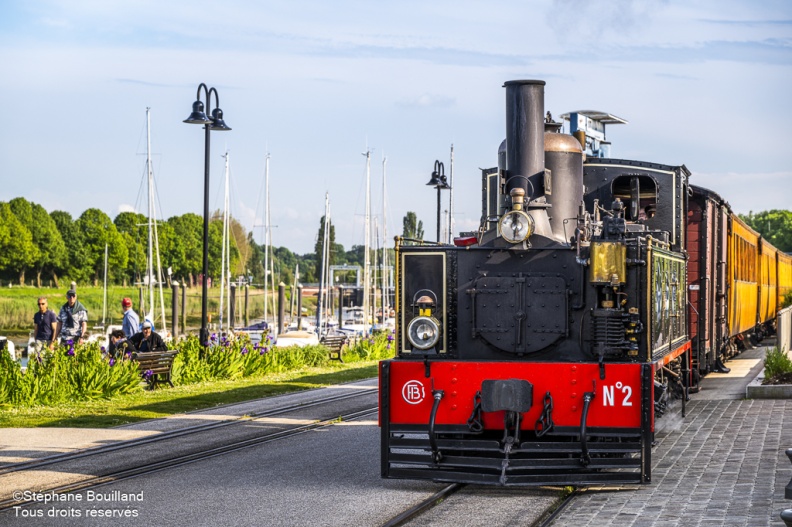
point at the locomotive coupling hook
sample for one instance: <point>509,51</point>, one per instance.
<point>585,458</point>
<point>437,456</point>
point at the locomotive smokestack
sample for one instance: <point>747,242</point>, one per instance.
<point>525,160</point>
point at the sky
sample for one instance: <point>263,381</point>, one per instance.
<point>316,84</point>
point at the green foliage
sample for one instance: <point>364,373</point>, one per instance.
<point>786,300</point>
<point>412,227</point>
<point>187,249</point>
<point>73,262</point>
<point>80,373</point>
<point>774,225</point>
<point>132,227</point>
<point>99,231</point>
<point>319,247</point>
<point>66,374</point>
<point>17,251</point>
<point>378,347</point>
<point>777,362</point>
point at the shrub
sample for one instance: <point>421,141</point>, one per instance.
<point>377,347</point>
<point>777,362</point>
<point>786,301</point>
<point>69,373</point>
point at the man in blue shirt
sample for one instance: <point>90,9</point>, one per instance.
<point>46,323</point>
<point>131,323</point>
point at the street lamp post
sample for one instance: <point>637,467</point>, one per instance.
<point>216,123</point>
<point>439,182</point>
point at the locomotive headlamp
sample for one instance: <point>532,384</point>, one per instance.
<point>423,332</point>
<point>516,226</point>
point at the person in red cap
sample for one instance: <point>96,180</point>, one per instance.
<point>131,323</point>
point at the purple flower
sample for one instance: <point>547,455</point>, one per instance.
<point>388,346</point>
<point>244,351</point>
<point>128,354</point>
<point>70,342</point>
<point>147,374</point>
<point>390,338</point>
<point>213,337</point>
<point>102,349</point>
<point>70,353</point>
<point>112,362</point>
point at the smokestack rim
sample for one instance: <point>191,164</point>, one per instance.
<point>525,81</point>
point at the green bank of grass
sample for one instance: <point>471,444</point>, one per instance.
<point>18,304</point>
<point>167,401</point>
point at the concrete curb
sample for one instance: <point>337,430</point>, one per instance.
<point>755,390</point>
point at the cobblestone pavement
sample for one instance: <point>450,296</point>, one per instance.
<point>724,464</point>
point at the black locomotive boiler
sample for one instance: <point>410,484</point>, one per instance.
<point>541,349</point>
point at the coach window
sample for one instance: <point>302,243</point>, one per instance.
<point>639,194</point>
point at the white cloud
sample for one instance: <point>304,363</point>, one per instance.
<point>124,207</point>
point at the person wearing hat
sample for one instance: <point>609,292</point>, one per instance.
<point>131,322</point>
<point>72,320</point>
<point>147,340</point>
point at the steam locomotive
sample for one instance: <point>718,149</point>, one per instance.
<point>541,349</point>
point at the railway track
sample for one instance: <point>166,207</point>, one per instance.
<point>144,465</point>
<point>424,506</point>
<point>181,432</point>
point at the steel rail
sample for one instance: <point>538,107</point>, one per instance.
<point>429,503</point>
<point>548,520</point>
<point>176,461</point>
<point>68,456</point>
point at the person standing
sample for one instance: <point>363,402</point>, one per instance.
<point>46,325</point>
<point>131,323</point>
<point>72,320</point>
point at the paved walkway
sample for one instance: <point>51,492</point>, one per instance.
<point>724,464</point>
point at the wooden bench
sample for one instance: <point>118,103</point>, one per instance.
<point>159,363</point>
<point>335,344</point>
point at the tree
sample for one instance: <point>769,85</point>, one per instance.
<point>774,225</point>
<point>51,244</point>
<point>24,213</point>
<point>186,256</point>
<point>16,242</point>
<point>239,242</point>
<point>131,226</point>
<point>72,265</point>
<point>255,261</point>
<point>99,231</point>
<point>412,227</point>
<point>319,247</point>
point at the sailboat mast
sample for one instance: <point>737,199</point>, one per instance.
<point>266,234</point>
<point>104,300</point>
<point>367,245</point>
<point>451,198</point>
<point>326,266</point>
<point>323,265</point>
<point>223,253</point>
<point>385,306</point>
<point>150,174</point>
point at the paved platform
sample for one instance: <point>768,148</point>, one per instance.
<point>724,464</point>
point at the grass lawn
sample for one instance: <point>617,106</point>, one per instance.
<point>166,401</point>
